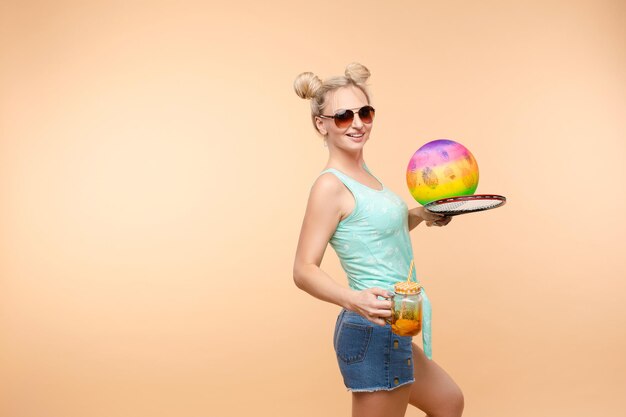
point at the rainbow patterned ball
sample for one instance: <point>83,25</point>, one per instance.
<point>440,169</point>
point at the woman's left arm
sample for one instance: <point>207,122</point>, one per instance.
<point>419,214</point>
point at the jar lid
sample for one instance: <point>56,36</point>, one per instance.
<point>408,287</point>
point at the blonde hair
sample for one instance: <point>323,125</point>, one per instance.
<point>310,87</point>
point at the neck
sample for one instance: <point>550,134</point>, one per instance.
<point>346,161</point>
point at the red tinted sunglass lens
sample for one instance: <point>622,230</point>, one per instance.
<point>344,118</point>
<point>366,114</point>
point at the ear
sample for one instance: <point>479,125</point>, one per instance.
<point>319,123</point>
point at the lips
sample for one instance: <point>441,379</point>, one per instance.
<point>356,137</point>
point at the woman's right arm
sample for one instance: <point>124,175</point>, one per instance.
<point>321,218</point>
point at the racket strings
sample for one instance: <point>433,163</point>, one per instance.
<point>462,206</point>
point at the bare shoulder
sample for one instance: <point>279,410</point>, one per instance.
<point>325,197</point>
<point>333,193</point>
<point>323,214</point>
<point>327,184</point>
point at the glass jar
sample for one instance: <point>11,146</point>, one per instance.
<point>406,308</point>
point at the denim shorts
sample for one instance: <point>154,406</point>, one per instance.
<point>370,356</point>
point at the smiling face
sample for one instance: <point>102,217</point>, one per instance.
<point>354,136</point>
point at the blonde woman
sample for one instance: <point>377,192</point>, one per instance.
<point>368,227</point>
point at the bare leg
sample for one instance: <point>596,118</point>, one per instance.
<point>433,391</point>
<point>381,403</point>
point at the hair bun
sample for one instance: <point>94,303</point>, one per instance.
<point>307,85</point>
<point>357,73</point>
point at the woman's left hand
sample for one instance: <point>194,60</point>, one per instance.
<point>433,219</point>
<point>442,221</point>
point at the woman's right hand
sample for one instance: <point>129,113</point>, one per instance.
<point>367,304</point>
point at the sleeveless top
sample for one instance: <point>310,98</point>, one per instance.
<point>373,243</point>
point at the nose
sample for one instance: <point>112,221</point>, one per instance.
<point>356,122</point>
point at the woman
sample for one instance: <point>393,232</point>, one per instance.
<point>368,226</point>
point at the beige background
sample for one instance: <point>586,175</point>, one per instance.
<point>155,166</point>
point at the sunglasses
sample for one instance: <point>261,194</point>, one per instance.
<point>344,118</point>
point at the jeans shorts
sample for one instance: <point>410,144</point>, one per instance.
<point>371,358</point>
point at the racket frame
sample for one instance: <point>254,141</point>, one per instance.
<point>473,197</point>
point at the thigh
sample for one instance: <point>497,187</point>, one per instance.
<point>381,403</point>
<point>434,391</point>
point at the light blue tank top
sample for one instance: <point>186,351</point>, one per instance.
<point>373,243</point>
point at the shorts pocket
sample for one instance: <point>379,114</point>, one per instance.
<point>337,325</point>
<point>352,341</point>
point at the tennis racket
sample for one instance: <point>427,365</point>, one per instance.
<point>454,206</point>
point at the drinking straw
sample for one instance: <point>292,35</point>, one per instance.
<point>408,279</point>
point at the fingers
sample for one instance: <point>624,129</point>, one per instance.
<point>442,221</point>
<point>367,304</point>
<point>376,310</point>
<point>379,291</point>
<point>431,216</point>
<point>379,317</point>
<point>384,313</point>
<point>381,312</point>
<point>445,220</point>
<point>380,322</point>
<point>380,304</point>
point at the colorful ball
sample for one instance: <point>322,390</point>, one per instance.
<point>441,169</point>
